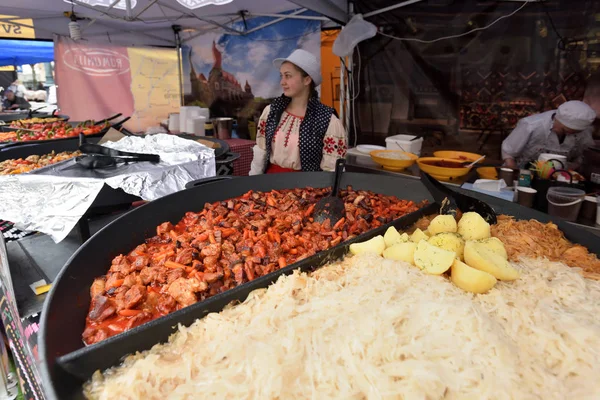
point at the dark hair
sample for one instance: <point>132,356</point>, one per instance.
<point>313,87</point>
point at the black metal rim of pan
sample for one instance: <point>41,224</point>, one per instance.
<point>68,300</point>
<point>58,146</point>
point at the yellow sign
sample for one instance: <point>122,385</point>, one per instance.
<point>16,28</point>
<point>7,68</point>
<point>155,86</point>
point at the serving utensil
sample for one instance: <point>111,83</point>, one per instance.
<point>332,207</point>
<point>475,162</point>
<point>96,156</point>
<point>451,201</point>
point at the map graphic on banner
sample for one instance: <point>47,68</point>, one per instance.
<point>98,81</point>
<point>233,75</point>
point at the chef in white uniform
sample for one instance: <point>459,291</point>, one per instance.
<point>566,131</point>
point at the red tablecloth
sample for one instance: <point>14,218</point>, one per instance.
<point>241,166</point>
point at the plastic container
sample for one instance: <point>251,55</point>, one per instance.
<point>588,209</point>
<point>598,210</point>
<point>565,202</point>
<point>403,142</point>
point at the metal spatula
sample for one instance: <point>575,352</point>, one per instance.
<point>332,206</point>
<point>451,201</point>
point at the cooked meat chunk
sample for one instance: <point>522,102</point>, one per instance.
<point>185,256</point>
<point>153,275</point>
<point>162,302</point>
<point>101,309</point>
<point>131,298</point>
<point>212,250</point>
<point>139,251</point>
<point>165,227</point>
<point>184,290</point>
<point>94,335</point>
<point>138,319</point>
<point>140,262</point>
<point>97,287</point>
<point>174,274</point>
<point>114,280</point>
<point>132,279</point>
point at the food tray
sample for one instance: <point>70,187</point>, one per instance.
<point>5,145</point>
<point>58,146</point>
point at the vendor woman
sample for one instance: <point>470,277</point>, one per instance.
<point>296,132</point>
<point>566,131</point>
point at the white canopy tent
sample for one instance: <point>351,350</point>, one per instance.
<point>149,22</point>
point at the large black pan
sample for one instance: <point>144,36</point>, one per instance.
<point>43,148</point>
<point>6,145</point>
<point>63,317</point>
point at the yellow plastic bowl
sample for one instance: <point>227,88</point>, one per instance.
<point>391,164</point>
<point>441,173</point>
<point>457,155</point>
<point>487,173</point>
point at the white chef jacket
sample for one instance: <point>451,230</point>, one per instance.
<point>533,135</point>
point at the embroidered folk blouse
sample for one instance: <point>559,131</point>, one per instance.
<point>285,147</point>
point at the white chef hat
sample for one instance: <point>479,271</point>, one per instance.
<point>304,60</point>
<point>575,115</point>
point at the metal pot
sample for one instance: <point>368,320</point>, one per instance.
<point>223,127</point>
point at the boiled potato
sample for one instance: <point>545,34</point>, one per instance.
<point>472,226</point>
<point>418,235</point>
<point>449,241</point>
<point>471,279</point>
<point>432,259</point>
<point>391,237</point>
<point>404,238</point>
<point>401,252</point>
<point>495,245</point>
<point>479,256</point>
<point>375,245</point>
<point>442,224</point>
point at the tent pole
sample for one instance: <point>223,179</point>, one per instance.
<point>92,22</point>
<point>145,9</point>
<point>176,30</point>
<point>128,9</point>
<point>349,95</point>
<point>289,16</point>
<point>342,91</point>
<point>236,32</point>
<point>275,21</point>
<point>84,5</point>
<point>404,3</point>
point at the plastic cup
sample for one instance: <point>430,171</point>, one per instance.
<point>526,196</point>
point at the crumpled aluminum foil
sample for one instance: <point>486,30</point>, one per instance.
<point>52,199</point>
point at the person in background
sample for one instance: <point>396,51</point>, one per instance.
<point>566,131</point>
<point>14,102</point>
<point>296,132</point>
<point>18,88</point>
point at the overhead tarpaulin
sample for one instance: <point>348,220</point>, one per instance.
<point>19,52</point>
<point>467,90</point>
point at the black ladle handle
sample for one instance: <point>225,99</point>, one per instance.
<point>339,168</point>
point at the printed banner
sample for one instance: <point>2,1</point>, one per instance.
<point>234,76</point>
<point>97,81</point>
